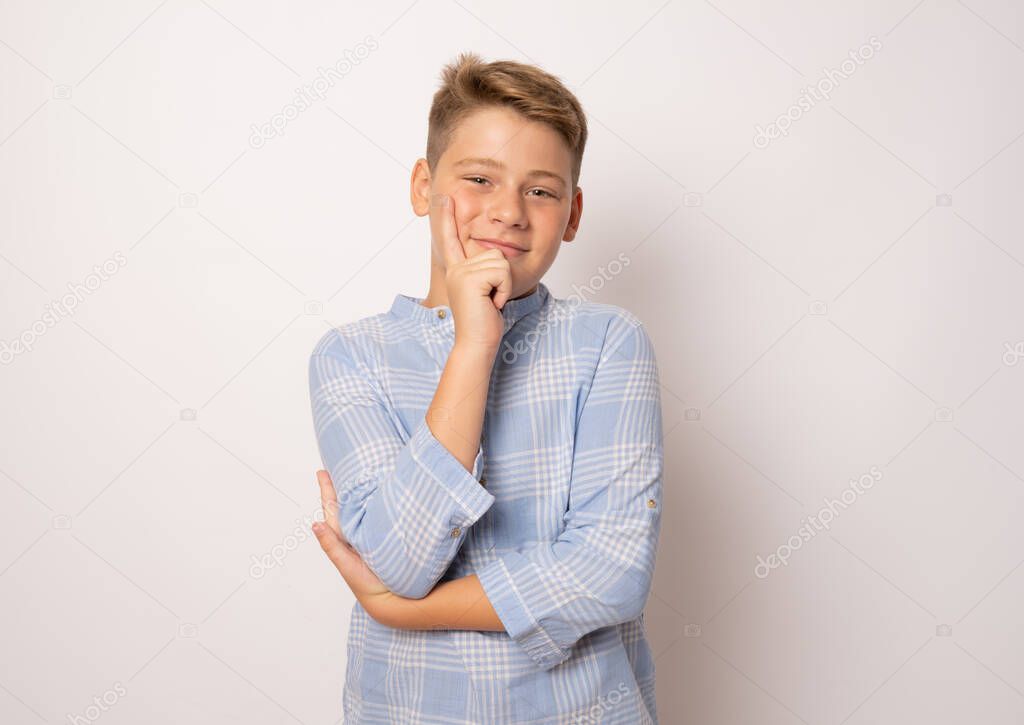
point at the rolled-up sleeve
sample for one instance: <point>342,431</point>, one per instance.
<point>598,571</point>
<point>405,501</point>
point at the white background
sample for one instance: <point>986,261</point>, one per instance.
<point>850,296</point>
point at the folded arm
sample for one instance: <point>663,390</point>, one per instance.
<point>405,502</point>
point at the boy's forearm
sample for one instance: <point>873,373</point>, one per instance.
<point>456,413</point>
<point>454,604</point>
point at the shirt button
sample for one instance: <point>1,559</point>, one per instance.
<point>483,480</point>
<point>651,503</point>
<point>442,314</point>
<point>455,532</point>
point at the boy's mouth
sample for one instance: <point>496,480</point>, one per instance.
<point>509,249</point>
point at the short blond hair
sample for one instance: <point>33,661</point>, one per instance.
<point>469,84</point>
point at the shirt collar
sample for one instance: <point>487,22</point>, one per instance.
<point>408,307</point>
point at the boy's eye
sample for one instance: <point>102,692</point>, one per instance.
<point>543,192</point>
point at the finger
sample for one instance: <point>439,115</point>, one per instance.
<point>451,245</point>
<point>329,502</point>
<point>487,254</point>
<point>503,289</point>
<point>491,275</point>
<point>472,265</point>
<point>336,550</point>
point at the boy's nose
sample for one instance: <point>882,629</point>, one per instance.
<point>506,206</point>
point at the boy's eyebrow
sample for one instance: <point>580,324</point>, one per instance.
<point>494,163</point>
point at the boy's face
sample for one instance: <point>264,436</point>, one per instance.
<point>487,169</point>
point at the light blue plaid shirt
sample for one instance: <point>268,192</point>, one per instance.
<point>559,517</point>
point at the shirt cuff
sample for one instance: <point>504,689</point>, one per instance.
<point>498,580</point>
<point>462,485</point>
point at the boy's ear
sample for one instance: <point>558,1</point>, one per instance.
<point>575,213</point>
<point>419,188</point>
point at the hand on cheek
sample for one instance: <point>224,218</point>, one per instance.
<point>463,214</point>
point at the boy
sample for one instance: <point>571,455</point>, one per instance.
<point>496,515</point>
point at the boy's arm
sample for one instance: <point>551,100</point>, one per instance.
<point>454,604</point>
<point>403,505</point>
<point>598,571</point>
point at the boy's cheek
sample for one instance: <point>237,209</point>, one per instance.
<point>467,199</point>
<point>466,209</point>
